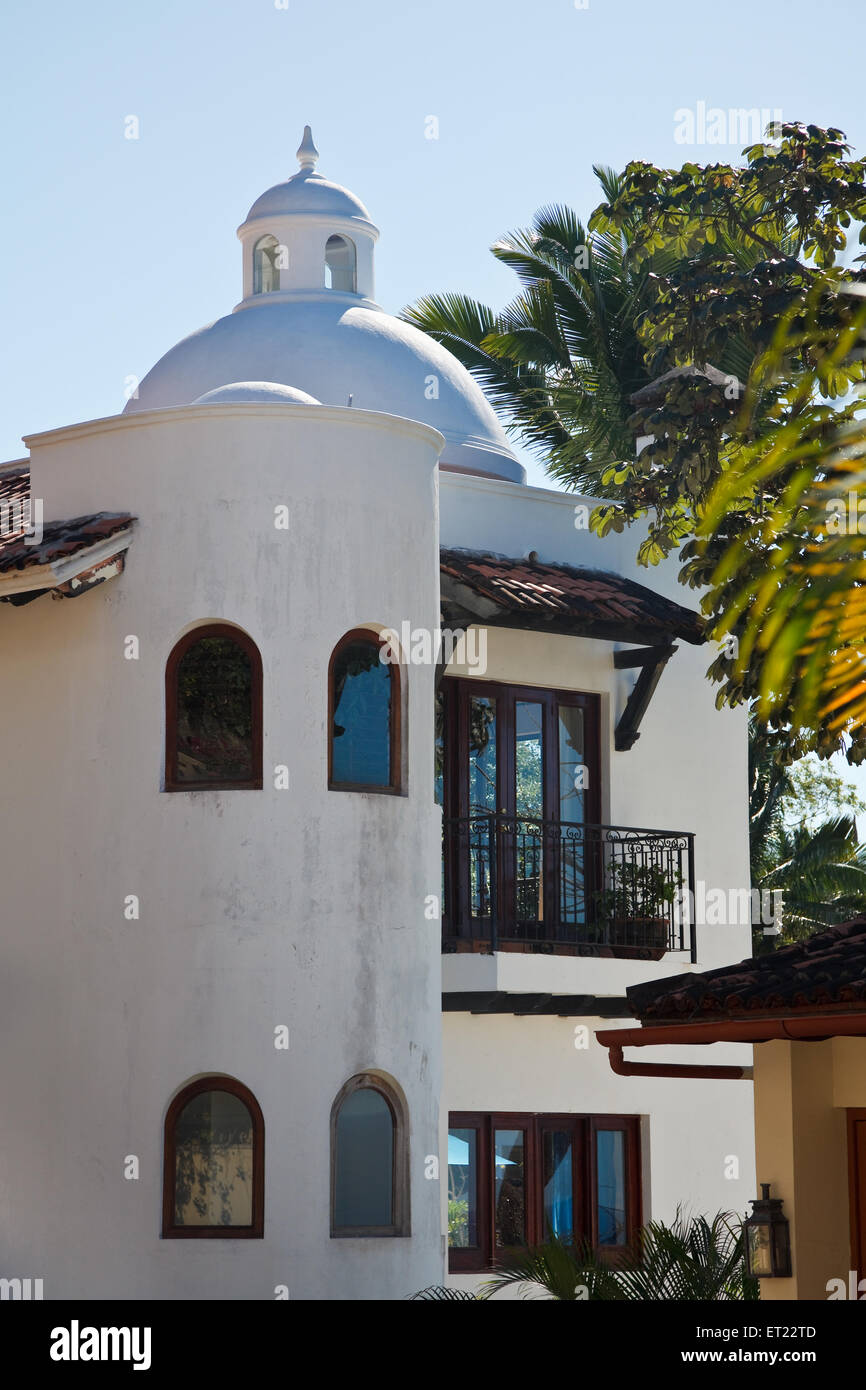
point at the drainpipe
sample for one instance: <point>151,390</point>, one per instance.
<point>708,1073</point>
<point>812,1028</point>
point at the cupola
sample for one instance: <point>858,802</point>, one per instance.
<point>307,236</point>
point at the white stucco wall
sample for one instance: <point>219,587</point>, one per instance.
<point>305,907</point>
<point>695,1135</point>
<point>302,907</point>
<point>687,772</point>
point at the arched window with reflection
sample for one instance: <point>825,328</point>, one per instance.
<point>268,257</point>
<point>369,1159</point>
<point>340,258</point>
<point>213,706</point>
<point>364,715</point>
<point>213,1183</point>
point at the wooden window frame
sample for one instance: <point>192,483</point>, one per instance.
<point>400,1205</point>
<point>176,655</point>
<point>457,694</point>
<point>484,1258</point>
<point>255,1231</point>
<point>395,720</point>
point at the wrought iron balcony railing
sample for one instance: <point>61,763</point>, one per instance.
<point>519,883</point>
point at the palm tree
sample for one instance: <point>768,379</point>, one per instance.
<point>692,1259</point>
<point>821,875</point>
<point>561,361</point>
<point>819,870</point>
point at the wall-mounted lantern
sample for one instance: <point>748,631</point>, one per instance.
<point>768,1238</point>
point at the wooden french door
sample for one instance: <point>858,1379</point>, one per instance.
<point>521,780</point>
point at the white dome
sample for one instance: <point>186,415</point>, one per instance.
<point>307,193</point>
<point>252,392</point>
<point>334,346</point>
<point>335,351</point>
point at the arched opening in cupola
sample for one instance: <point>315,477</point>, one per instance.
<point>268,258</point>
<point>340,264</point>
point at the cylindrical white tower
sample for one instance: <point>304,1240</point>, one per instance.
<point>280,937</point>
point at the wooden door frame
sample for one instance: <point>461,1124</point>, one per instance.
<point>857,1189</point>
<point>457,694</point>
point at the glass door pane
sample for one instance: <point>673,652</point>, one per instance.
<point>462,1188</point>
<point>610,1187</point>
<point>482,837</point>
<point>482,754</point>
<point>557,1176</point>
<point>573,771</point>
<point>572,793</point>
<point>529,809</point>
<point>509,1179</point>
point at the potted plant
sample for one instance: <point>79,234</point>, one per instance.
<point>633,908</point>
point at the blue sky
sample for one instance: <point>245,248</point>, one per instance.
<point>113,249</point>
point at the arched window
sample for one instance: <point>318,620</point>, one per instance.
<point>364,715</point>
<point>340,263</point>
<point>268,257</point>
<point>369,1159</point>
<point>213,1183</point>
<point>213,711</point>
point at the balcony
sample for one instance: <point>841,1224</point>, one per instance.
<point>514,883</point>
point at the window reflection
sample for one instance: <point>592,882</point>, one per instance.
<point>509,1187</point>
<point>214,713</point>
<point>364,1161</point>
<point>558,1185</point>
<point>482,754</point>
<point>361,729</point>
<point>462,1188</point>
<point>610,1159</point>
<point>213,1182</point>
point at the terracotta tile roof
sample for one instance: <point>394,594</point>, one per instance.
<point>560,598</point>
<point>61,539</point>
<point>825,970</point>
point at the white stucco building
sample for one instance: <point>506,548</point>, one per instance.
<point>243,994</point>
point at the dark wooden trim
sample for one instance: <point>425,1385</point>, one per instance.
<point>256,1230</point>
<point>497,1001</point>
<point>396,785</point>
<point>857,1189</point>
<point>178,651</point>
<point>475,1259</point>
<point>400,1171</point>
<point>630,1126</point>
<point>583,1128</point>
<point>455,614</point>
<point>652,660</point>
<point>629,657</point>
<point>458,693</point>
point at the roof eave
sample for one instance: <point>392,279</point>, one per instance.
<point>67,569</point>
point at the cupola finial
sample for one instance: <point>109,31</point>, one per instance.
<point>307,152</point>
